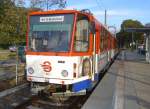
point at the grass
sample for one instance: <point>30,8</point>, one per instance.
<point>4,56</point>
<point>7,56</point>
<point>12,55</point>
<point>1,48</point>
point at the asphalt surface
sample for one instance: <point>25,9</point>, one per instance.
<point>126,85</point>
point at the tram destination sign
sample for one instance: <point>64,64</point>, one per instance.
<point>52,19</point>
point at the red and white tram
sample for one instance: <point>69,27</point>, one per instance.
<point>66,49</point>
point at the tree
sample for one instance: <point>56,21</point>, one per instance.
<point>48,4</point>
<point>131,24</point>
<point>126,38</point>
<point>12,23</point>
<point>7,14</point>
<point>19,3</point>
<point>35,3</point>
<point>60,4</point>
<point>4,5</point>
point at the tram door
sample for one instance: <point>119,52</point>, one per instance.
<point>82,44</point>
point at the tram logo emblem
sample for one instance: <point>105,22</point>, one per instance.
<point>46,66</point>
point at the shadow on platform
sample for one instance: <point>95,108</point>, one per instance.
<point>140,101</point>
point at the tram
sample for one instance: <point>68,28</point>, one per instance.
<point>66,51</point>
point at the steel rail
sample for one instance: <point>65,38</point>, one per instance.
<point>12,90</point>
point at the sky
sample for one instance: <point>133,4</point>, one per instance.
<point>117,10</point>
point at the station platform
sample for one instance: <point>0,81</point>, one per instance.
<point>126,85</point>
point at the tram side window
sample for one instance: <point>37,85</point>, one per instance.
<point>81,43</point>
<point>106,40</point>
<point>102,39</point>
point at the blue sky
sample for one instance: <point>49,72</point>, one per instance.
<point>117,10</point>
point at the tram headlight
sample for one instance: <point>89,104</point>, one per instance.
<point>64,73</point>
<point>30,70</point>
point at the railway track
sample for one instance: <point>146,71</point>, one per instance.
<point>40,103</point>
<point>12,90</point>
<point>28,101</point>
<point>20,97</point>
<point>12,97</point>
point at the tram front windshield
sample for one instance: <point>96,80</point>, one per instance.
<point>50,33</point>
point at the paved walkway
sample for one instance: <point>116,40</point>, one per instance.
<point>125,86</point>
<point>137,85</point>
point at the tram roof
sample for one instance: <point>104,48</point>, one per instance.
<point>58,12</point>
